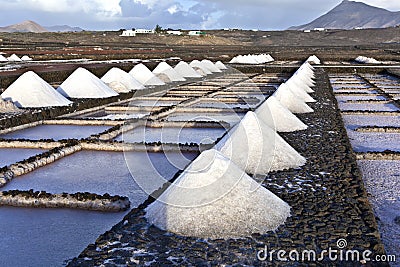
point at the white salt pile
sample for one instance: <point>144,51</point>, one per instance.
<point>300,93</point>
<point>26,58</point>
<point>199,67</point>
<point>31,91</point>
<point>3,59</point>
<point>210,66</point>
<point>291,101</point>
<point>278,117</point>
<point>314,60</point>
<point>165,68</point>
<point>141,73</point>
<point>214,199</point>
<point>367,60</point>
<point>7,106</point>
<point>257,148</point>
<point>220,65</point>
<point>186,71</point>
<point>298,82</point>
<point>121,81</point>
<point>14,58</point>
<point>84,84</point>
<point>252,59</point>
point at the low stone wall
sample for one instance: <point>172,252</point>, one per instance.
<point>85,201</point>
<point>139,147</point>
<point>29,144</point>
<point>377,129</point>
<point>386,155</point>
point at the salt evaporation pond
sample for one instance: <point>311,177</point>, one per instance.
<point>56,132</point>
<point>229,117</point>
<point>365,142</point>
<point>172,135</point>
<point>383,184</point>
<point>10,156</point>
<point>343,98</point>
<point>355,121</point>
<point>368,106</point>
<point>25,234</point>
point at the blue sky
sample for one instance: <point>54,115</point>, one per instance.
<point>185,14</point>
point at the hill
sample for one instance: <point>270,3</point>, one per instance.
<point>351,15</point>
<point>25,26</point>
<point>63,28</point>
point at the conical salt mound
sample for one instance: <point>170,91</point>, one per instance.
<point>300,93</point>
<point>165,68</point>
<point>305,75</point>
<point>314,60</point>
<point>278,117</point>
<point>7,106</point>
<point>291,101</point>
<point>257,148</point>
<point>31,91</point>
<point>121,81</point>
<point>14,58</point>
<point>220,65</point>
<point>186,71</point>
<point>296,81</point>
<point>141,73</point>
<point>26,58</point>
<point>84,84</point>
<point>210,66</point>
<point>195,64</point>
<point>3,59</point>
<point>214,199</point>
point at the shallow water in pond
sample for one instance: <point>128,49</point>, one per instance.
<point>10,156</point>
<point>47,237</point>
<point>56,132</point>
<point>229,117</point>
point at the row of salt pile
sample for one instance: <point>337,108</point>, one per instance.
<point>31,91</point>
<point>216,197</point>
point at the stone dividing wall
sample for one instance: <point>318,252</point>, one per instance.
<point>85,201</point>
<point>386,155</point>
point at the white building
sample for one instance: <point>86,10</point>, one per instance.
<point>132,33</point>
<point>129,33</point>
<point>174,32</point>
<point>319,29</point>
<point>196,33</point>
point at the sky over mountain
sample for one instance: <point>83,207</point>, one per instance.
<point>204,14</point>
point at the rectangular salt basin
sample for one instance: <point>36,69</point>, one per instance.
<point>153,103</point>
<point>10,156</point>
<point>101,172</point>
<point>229,117</point>
<point>56,132</point>
<point>377,142</point>
<point>47,237</point>
<point>172,135</point>
<point>224,105</point>
<point>355,91</point>
<point>355,121</point>
<point>383,185</point>
<point>343,98</point>
<point>350,86</point>
<point>368,106</point>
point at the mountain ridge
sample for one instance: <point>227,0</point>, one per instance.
<point>353,15</point>
<point>31,26</point>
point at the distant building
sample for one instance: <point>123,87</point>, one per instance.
<point>319,29</point>
<point>196,33</point>
<point>128,33</point>
<point>144,31</point>
<point>307,31</point>
<point>174,32</point>
<point>132,33</point>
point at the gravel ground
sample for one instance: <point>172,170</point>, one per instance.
<point>327,196</point>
